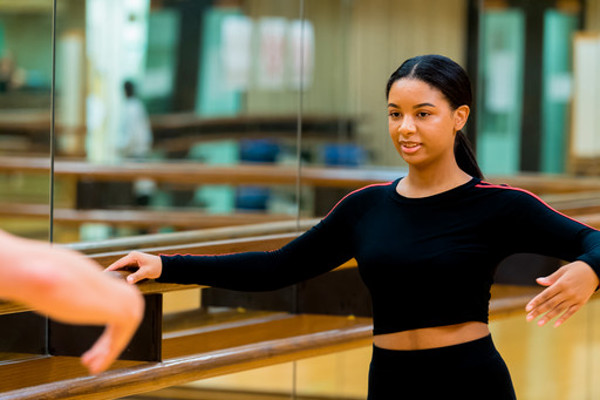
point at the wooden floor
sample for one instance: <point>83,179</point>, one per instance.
<point>546,364</point>
<point>553,363</point>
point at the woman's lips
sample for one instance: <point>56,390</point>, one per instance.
<point>410,147</point>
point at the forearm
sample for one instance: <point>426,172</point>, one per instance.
<point>86,296</point>
<point>252,271</point>
<point>591,248</point>
<point>65,285</point>
<point>307,256</point>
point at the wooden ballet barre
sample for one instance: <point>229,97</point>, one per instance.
<point>256,243</point>
<point>178,218</point>
<point>186,121</point>
<point>590,219</point>
<point>192,236</point>
<point>575,203</point>
<point>188,358</point>
<point>198,173</point>
<point>543,184</point>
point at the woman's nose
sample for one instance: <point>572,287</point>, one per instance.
<point>407,126</point>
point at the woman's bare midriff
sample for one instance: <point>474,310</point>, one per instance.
<point>429,338</point>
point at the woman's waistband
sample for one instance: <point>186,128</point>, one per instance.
<point>480,346</point>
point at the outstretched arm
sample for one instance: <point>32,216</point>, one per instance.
<point>322,248</point>
<point>71,288</point>
<point>541,229</point>
<point>313,253</point>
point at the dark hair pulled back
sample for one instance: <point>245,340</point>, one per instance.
<point>451,79</point>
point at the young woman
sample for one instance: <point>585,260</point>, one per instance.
<point>427,246</point>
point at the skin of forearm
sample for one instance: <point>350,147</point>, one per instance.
<point>65,285</point>
<point>90,299</point>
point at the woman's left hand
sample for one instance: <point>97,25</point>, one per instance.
<point>569,288</point>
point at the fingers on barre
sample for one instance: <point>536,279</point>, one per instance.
<point>148,266</point>
<point>131,259</point>
<point>136,277</point>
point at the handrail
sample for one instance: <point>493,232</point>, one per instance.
<point>268,174</point>
<point>192,236</point>
<point>575,203</point>
<point>197,173</point>
<point>255,243</point>
<point>173,121</point>
<point>198,356</point>
<point>185,218</point>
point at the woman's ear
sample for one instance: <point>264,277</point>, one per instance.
<point>461,115</point>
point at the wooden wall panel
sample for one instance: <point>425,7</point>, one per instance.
<point>386,32</point>
<point>357,46</point>
<point>327,90</point>
<point>371,65</point>
<point>270,102</point>
<point>592,19</point>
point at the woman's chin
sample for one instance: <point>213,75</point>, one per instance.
<point>413,159</point>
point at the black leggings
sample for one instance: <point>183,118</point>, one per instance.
<point>472,370</point>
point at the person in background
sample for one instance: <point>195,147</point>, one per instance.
<point>135,139</point>
<point>71,288</point>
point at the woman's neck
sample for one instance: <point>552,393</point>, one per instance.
<point>427,181</point>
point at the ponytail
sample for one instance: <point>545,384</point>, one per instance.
<point>465,157</point>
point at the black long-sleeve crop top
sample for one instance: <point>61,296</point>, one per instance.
<point>426,261</point>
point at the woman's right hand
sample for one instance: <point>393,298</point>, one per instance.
<point>148,266</point>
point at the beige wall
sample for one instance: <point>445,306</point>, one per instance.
<point>280,102</point>
<point>385,33</point>
<point>327,92</point>
<point>593,15</point>
<point>358,45</point>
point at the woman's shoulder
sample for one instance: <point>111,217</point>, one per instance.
<point>369,191</point>
<point>509,195</point>
<point>503,189</point>
<point>364,197</point>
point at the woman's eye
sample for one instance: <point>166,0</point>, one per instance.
<point>394,114</point>
<point>422,114</point>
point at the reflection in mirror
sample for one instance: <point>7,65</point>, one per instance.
<point>25,84</point>
<point>25,75</point>
<point>179,115</point>
<point>166,104</point>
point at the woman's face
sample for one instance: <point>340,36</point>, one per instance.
<point>422,123</point>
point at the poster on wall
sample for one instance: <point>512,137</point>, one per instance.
<point>302,50</point>
<point>236,37</point>
<point>585,136</point>
<point>272,48</point>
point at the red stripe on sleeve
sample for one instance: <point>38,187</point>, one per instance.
<point>490,185</point>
